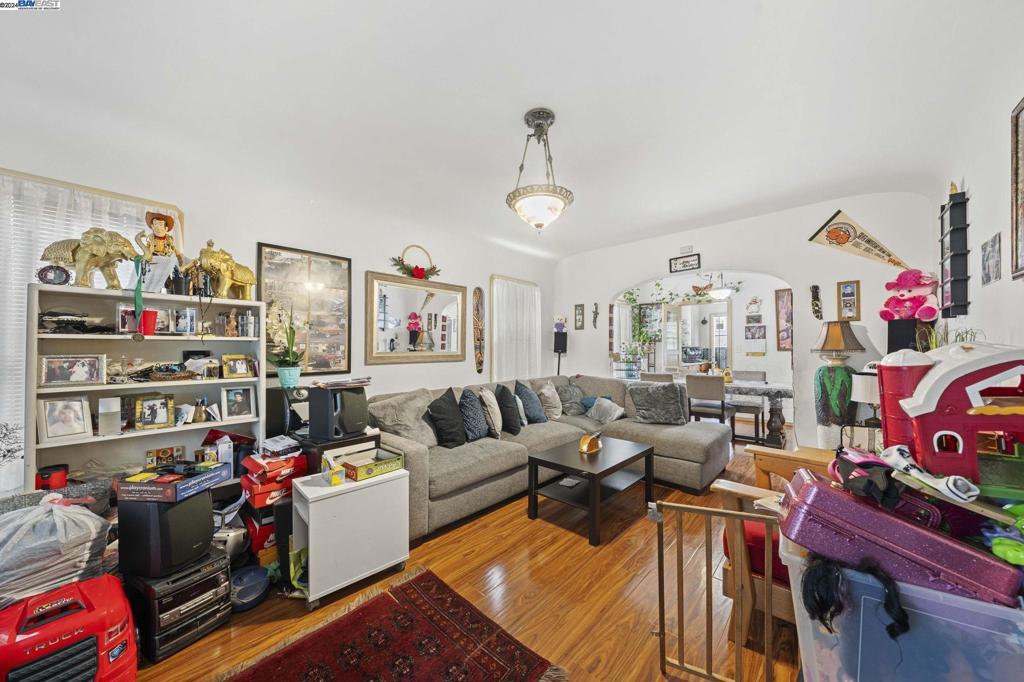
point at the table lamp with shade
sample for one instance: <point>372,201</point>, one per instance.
<point>833,381</point>
<point>865,390</point>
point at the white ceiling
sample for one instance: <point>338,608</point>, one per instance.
<point>671,114</point>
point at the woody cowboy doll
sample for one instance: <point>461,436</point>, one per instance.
<point>160,242</point>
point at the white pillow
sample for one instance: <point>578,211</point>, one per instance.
<point>550,400</point>
<point>522,411</point>
<point>605,411</point>
<point>492,413</point>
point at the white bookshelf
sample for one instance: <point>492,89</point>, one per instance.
<point>130,447</point>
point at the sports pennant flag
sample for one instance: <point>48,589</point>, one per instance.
<point>842,232</point>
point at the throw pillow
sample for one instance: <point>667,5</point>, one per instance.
<point>604,411</point>
<point>447,417</point>
<point>404,415</point>
<point>531,404</point>
<point>522,411</point>
<point>589,401</point>
<point>473,416</point>
<point>510,422</point>
<point>571,395</point>
<point>549,400</point>
<point>492,413</point>
<point>659,404</point>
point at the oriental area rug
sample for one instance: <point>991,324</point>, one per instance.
<point>419,629</point>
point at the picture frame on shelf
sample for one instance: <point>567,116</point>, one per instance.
<point>65,418</point>
<point>164,320</point>
<point>237,402</point>
<point>848,300</point>
<point>125,320</point>
<point>237,366</point>
<point>83,369</point>
<point>317,289</point>
<point>154,411</point>
<point>186,321</point>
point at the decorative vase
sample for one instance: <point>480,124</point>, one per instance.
<point>289,376</point>
<point>413,338</point>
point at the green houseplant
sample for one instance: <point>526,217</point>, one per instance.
<point>285,357</point>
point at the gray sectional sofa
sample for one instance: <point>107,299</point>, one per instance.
<point>446,485</point>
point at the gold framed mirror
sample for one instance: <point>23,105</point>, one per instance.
<point>412,320</point>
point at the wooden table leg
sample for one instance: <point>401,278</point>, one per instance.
<point>649,478</point>
<point>776,437</point>
<point>531,506</point>
<point>594,510</point>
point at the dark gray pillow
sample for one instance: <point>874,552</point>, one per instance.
<point>571,396</point>
<point>473,416</point>
<point>531,404</point>
<point>659,403</point>
<point>509,410</point>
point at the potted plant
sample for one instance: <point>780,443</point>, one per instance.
<point>286,358</point>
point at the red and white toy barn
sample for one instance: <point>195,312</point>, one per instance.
<point>960,410</point>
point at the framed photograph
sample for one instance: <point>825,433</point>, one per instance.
<point>754,332</point>
<point>991,260</point>
<point>755,319</point>
<point>1017,191</point>
<point>154,411</point>
<point>86,369</point>
<point>63,418</point>
<point>848,300</point>
<point>238,402</point>
<point>125,321</point>
<point>784,319</point>
<point>690,261</point>
<point>317,288</point>
<point>237,366</point>
<point>163,321</point>
<point>185,320</point>
<point>579,316</point>
<point>168,455</point>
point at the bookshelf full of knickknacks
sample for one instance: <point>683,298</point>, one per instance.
<point>72,372</point>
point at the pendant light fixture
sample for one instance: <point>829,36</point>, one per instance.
<point>539,205</point>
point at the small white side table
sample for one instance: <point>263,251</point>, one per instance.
<point>351,530</point>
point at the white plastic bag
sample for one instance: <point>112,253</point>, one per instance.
<point>47,545</point>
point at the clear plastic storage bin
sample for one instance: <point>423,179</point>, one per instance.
<point>951,638</point>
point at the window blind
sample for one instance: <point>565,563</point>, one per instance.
<point>516,330</point>
<point>33,214</point>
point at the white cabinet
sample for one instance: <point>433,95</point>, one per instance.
<point>352,530</point>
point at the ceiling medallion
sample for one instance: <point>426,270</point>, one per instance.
<point>539,205</point>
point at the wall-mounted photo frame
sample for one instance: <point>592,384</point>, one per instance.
<point>578,316</point>
<point>83,369</point>
<point>65,418</point>
<point>1017,191</point>
<point>317,289</point>
<point>690,261</point>
<point>991,260</point>
<point>848,300</point>
<point>784,319</point>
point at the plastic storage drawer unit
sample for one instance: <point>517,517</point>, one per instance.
<point>951,638</point>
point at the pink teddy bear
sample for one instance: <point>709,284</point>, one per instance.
<point>914,298</point>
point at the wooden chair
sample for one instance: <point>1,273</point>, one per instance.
<point>657,377</point>
<point>752,406</point>
<point>705,396</point>
<point>739,497</point>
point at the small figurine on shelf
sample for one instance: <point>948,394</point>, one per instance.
<point>159,241</point>
<point>231,327</point>
<point>228,278</point>
<point>913,297</point>
<point>96,249</point>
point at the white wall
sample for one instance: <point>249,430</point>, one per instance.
<point>774,244</point>
<point>238,205</point>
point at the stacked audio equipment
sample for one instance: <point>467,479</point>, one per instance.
<point>157,538</point>
<point>337,412</point>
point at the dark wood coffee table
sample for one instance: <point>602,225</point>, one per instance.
<point>601,476</point>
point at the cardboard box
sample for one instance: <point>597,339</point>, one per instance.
<point>264,494</point>
<point>264,469</point>
<point>362,468</point>
<point>150,491</point>
<point>261,537</point>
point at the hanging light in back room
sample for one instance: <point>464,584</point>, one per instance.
<point>539,205</point>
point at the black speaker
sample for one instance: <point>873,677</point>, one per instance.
<point>561,342</point>
<point>155,538</point>
<point>282,535</point>
<point>337,412</point>
<point>281,418</point>
<point>902,334</point>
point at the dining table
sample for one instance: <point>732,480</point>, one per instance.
<point>775,392</point>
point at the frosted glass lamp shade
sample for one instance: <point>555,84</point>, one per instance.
<point>539,205</point>
<point>721,293</point>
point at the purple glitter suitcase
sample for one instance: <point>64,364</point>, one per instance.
<point>832,522</point>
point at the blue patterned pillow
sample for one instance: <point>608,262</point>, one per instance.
<point>589,401</point>
<point>473,416</point>
<point>531,404</point>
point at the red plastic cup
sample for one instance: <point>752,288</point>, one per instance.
<point>147,324</point>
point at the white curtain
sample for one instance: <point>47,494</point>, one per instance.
<point>515,329</point>
<point>34,214</point>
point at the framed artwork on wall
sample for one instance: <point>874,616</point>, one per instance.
<point>991,260</point>
<point>317,289</point>
<point>784,319</point>
<point>848,300</point>
<point>684,263</point>
<point>578,316</point>
<point>1017,192</point>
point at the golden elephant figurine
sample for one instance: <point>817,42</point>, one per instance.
<point>230,280</point>
<point>96,249</point>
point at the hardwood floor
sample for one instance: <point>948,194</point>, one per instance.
<point>591,610</point>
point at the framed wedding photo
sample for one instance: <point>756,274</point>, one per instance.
<point>63,418</point>
<point>237,366</point>
<point>154,411</point>
<point>86,369</point>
